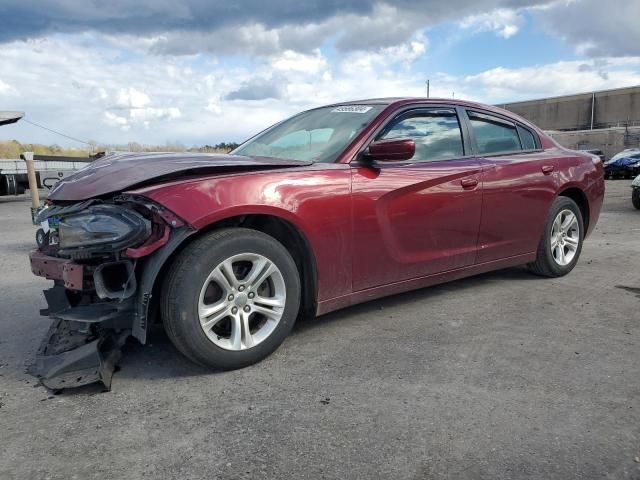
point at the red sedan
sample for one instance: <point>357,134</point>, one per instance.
<point>334,206</point>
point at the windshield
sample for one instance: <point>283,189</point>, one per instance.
<point>318,135</point>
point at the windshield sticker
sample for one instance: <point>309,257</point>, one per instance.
<point>351,109</point>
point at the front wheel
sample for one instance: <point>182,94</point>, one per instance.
<point>41,238</point>
<point>561,242</point>
<point>231,298</point>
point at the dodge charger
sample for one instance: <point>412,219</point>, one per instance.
<point>332,207</point>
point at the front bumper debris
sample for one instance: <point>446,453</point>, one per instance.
<point>55,268</point>
<point>90,305</point>
<point>71,356</point>
<point>99,298</point>
<point>83,344</point>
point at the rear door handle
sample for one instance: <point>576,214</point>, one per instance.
<point>469,183</point>
<point>547,169</point>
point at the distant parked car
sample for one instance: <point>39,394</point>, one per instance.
<point>635,192</point>
<point>595,151</point>
<point>625,164</point>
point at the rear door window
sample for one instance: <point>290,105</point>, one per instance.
<point>494,135</point>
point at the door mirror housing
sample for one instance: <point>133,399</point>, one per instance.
<point>394,150</point>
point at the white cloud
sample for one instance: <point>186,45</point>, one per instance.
<point>133,108</point>
<point>504,22</point>
<point>408,52</point>
<point>6,89</point>
<point>245,27</point>
<point>151,113</point>
<point>387,58</point>
<point>505,84</point>
<point>114,120</point>
<point>132,98</point>
<point>290,61</point>
<point>151,99</point>
<point>594,27</point>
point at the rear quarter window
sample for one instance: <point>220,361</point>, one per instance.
<point>494,135</point>
<point>527,139</point>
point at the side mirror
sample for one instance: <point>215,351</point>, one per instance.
<point>394,150</point>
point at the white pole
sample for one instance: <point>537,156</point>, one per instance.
<point>33,183</point>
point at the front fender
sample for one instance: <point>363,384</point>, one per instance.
<point>151,267</point>
<point>316,201</point>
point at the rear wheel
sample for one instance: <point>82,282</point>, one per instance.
<point>561,243</point>
<point>231,298</point>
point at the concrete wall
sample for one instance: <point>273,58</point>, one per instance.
<point>617,107</point>
<point>609,140</point>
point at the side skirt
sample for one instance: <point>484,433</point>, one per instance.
<point>361,296</point>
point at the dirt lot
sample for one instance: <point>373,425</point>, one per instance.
<point>504,375</point>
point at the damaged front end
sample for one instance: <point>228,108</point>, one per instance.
<point>104,257</point>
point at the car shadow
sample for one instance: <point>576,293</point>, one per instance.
<point>160,359</point>
<point>157,359</point>
<point>417,296</point>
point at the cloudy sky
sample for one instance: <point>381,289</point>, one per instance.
<point>205,71</point>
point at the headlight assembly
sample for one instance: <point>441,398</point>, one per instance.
<point>103,228</point>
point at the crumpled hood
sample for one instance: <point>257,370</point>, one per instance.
<point>120,171</point>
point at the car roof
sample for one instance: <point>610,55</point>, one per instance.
<point>401,101</point>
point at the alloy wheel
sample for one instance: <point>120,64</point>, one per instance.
<point>565,237</point>
<point>242,301</point>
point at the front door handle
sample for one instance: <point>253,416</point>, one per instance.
<point>469,183</point>
<point>547,169</point>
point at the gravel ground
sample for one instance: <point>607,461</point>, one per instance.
<point>503,375</point>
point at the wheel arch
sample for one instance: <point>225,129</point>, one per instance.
<point>578,195</point>
<point>283,230</point>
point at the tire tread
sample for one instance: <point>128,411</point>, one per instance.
<point>635,198</point>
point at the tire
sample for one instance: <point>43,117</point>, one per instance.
<point>197,282</point>
<point>635,198</point>
<point>558,261</point>
<point>41,237</point>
